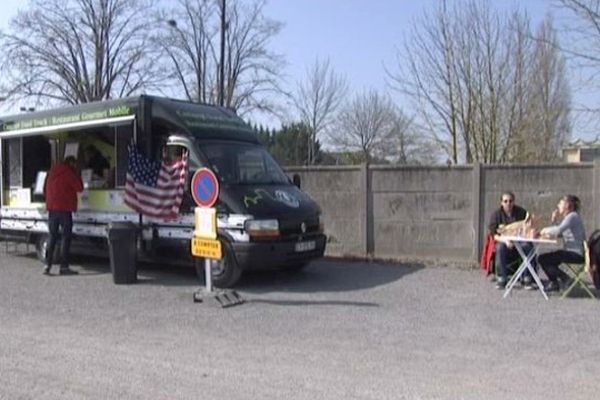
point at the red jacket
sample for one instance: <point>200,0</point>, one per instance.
<point>488,254</point>
<point>61,188</point>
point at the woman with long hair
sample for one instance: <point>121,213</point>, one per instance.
<point>567,224</point>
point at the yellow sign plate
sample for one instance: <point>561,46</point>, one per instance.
<point>207,248</point>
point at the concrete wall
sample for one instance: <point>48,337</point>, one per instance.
<point>342,194</point>
<point>436,213</point>
<point>421,212</point>
<point>538,189</point>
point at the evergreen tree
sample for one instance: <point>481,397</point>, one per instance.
<point>290,144</point>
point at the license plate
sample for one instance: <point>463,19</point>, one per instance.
<point>305,246</point>
<point>207,248</point>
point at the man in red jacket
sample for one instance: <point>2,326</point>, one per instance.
<point>60,190</point>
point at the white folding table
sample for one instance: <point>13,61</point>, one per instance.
<point>519,242</point>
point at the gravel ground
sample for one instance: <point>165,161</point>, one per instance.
<point>337,330</point>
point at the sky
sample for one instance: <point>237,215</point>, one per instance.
<point>358,37</point>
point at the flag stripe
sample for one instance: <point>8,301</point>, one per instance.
<point>154,189</point>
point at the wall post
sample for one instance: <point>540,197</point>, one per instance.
<point>477,207</point>
<point>367,211</point>
<point>595,197</point>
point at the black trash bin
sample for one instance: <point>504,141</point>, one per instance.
<point>122,237</point>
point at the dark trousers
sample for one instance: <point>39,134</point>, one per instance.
<point>504,256</point>
<point>64,220</point>
<point>550,262</point>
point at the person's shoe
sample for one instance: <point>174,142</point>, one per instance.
<point>528,283</point>
<point>501,283</point>
<point>67,271</point>
<point>563,276</point>
<point>46,270</point>
<point>552,286</point>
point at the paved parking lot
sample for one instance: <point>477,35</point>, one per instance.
<point>337,330</point>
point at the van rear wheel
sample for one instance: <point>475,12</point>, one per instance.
<point>225,272</point>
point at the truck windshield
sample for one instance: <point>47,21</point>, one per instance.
<point>238,163</point>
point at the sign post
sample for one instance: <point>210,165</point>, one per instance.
<point>205,244</point>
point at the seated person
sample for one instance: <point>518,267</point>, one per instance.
<point>571,230</point>
<point>508,213</point>
<point>95,161</point>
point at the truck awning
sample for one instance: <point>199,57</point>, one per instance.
<point>66,126</point>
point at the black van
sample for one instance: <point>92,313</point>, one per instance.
<point>264,221</point>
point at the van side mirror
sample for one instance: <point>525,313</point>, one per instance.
<point>296,180</point>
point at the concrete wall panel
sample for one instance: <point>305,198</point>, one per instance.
<point>419,179</point>
<point>435,212</point>
<point>340,194</point>
<point>419,206</point>
<point>538,189</point>
<point>423,240</point>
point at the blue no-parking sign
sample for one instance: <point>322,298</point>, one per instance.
<point>205,187</point>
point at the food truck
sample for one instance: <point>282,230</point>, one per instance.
<point>264,221</point>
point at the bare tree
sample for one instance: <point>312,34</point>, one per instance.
<point>425,75</point>
<point>317,99</point>
<point>190,37</point>
<point>373,126</point>
<point>405,143</point>
<point>473,83</point>
<point>78,51</point>
<point>548,101</point>
<point>581,45</point>
<point>584,31</point>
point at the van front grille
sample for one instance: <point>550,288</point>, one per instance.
<point>294,227</point>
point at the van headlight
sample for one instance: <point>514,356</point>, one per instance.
<point>262,228</point>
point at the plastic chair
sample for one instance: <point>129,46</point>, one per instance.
<point>578,272</point>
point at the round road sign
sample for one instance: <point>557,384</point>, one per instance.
<point>205,188</point>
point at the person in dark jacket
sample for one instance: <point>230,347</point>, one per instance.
<point>96,161</point>
<point>60,191</point>
<point>507,213</point>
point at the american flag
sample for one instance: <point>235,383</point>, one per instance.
<point>153,188</point>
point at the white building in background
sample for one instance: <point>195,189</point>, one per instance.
<point>581,151</point>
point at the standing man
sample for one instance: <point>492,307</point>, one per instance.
<point>508,213</point>
<point>60,191</point>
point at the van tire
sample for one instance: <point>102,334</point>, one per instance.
<point>41,246</point>
<point>225,272</point>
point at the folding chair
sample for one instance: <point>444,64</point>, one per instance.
<point>578,272</point>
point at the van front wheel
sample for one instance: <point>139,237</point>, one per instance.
<point>225,272</point>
